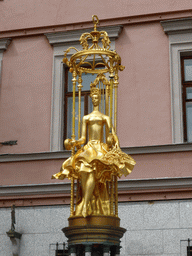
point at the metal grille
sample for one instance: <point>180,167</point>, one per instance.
<point>61,250</point>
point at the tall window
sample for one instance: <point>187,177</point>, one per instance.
<point>186,72</point>
<point>86,104</point>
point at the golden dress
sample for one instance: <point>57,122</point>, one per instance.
<point>97,157</point>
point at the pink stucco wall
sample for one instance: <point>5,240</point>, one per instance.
<point>25,95</point>
<point>15,14</point>
<point>148,166</point>
<point>144,106</point>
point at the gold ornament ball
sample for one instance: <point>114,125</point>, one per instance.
<point>67,144</point>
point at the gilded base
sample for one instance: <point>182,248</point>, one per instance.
<point>94,230</point>
<point>94,220</point>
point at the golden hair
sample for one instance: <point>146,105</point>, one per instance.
<point>95,90</point>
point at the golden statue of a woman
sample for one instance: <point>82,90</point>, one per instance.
<point>95,163</point>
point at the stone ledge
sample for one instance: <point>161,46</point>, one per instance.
<point>123,185</point>
<point>128,191</point>
<point>177,26</point>
<point>73,36</point>
<point>170,148</point>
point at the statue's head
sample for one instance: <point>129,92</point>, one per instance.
<point>95,94</point>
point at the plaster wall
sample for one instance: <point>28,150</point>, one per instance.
<point>144,106</point>
<point>16,14</point>
<point>147,166</point>
<point>25,95</point>
<point>153,228</point>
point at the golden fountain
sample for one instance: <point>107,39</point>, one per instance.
<point>95,166</point>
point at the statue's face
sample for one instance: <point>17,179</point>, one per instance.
<point>95,99</point>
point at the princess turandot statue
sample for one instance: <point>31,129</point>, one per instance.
<point>96,162</point>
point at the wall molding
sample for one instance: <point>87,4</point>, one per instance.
<point>128,190</point>
<point>177,26</point>
<point>123,185</point>
<point>170,148</point>
<point>127,20</point>
<point>35,189</point>
<point>73,36</point>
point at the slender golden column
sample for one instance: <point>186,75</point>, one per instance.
<point>107,106</point>
<point>112,197</point>
<point>79,111</point>
<point>77,192</point>
<point>111,101</point>
<point>107,100</point>
<point>72,197</point>
<point>74,80</point>
<point>115,103</point>
<point>116,196</point>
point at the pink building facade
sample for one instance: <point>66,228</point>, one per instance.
<point>154,124</point>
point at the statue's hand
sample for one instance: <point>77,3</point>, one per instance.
<point>110,140</point>
<point>69,144</point>
<point>113,141</point>
<point>117,145</point>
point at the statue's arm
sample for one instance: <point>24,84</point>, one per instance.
<point>69,143</point>
<point>114,135</point>
<point>82,140</point>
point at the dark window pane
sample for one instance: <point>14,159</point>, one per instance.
<point>189,121</point>
<point>189,93</point>
<point>70,84</point>
<point>188,69</point>
<point>90,105</point>
<point>186,74</point>
<point>87,79</point>
<point>70,114</point>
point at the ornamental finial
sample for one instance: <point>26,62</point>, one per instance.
<point>95,21</point>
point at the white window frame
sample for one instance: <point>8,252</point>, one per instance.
<point>62,41</point>
<point>180,42</point>
<point>4,43</point>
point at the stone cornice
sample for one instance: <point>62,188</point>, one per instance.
<point>73,36</point>
<point>154,184</point>
<point>35,189</point>
<point>170,148</point>
<point>135,19</point>
<point>128,190</point>
<point>34,156</point>
<point>177,26</point>
<point>123,185</point>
